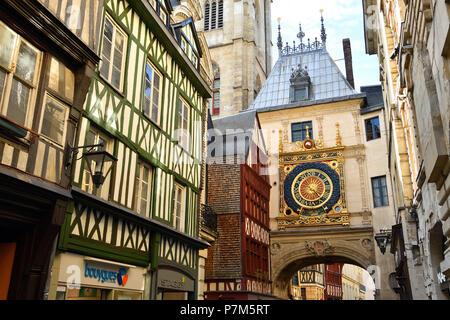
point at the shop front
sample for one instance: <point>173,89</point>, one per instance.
<point>88,278</point>
<point>174,285</point>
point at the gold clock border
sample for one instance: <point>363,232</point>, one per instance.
<point>310,156</point>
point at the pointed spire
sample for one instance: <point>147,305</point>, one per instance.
<point>323,34</point>
<point>280,41</point>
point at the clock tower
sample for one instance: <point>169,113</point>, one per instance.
<point>238,33</point>
<point>328,166</point>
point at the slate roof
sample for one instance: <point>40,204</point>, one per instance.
<point>374,98</point>
<point>328,83</point>
<point>237,142</point>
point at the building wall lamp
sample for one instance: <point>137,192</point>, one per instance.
<point>99,162</point>
<point>383,239</point>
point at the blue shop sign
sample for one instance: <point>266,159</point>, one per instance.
<point>103,275</point>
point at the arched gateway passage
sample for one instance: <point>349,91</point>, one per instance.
<point>294,250</point>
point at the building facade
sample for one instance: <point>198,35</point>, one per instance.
<point>411,39</point>
<point>353,285</point>
<point>308,283</point>
<point>136,236</point>
<point>48,54</point>
<point>329,176</point>
<point>238,262</point>
<point>333,281</point>
<point>238,34</point>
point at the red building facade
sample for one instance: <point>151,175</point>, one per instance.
<point>333,281</point>
<point>238,265</point>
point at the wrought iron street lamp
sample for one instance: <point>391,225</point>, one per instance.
<point>383,239</point>
<point>99,162</point>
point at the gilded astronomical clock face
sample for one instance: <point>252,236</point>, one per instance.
<point>311,189</point>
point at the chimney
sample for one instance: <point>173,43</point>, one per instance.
<point>348,62</point>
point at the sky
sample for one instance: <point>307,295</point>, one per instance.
<point>342,19</point>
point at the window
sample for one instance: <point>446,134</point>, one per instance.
<point>113,54</point>
<point>95,137</point>
<point>19,73</point>
<point>178,207</point>
<point>213,15</point>
<point>183,44</point>
<point>152,93</point>
<point>216,95</point>
<point>300,94</point>
<point>160,9</point>
<point>194,59</point>
<point>207,11</point>
<point>379,191</point>
<point>220,15</point>
<point>143,190</point>
<point>54,117</point>
<point>300,131</point>
<point>183,124</point>
<point>59,94</point>
<point>373,129</point>
<point>295,280</point>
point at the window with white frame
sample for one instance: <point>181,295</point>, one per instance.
<point>54,118</point>
<point>152,93</point>
<point>183,124</point>
<point>19,74</point>
<point>143,190</point>
<point>179,209</point>
<point>113,53</point>
<point>94,137</point>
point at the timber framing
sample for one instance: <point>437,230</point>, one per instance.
<point>149,16</point>
<point>47,28</point>
<point>130,215</point>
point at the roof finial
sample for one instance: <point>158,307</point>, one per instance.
<point>301,34</point>
<point>323,34</point>
<point>280,41</point>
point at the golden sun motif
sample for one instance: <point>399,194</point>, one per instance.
<point>312,188</point>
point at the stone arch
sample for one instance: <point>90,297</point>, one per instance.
<point>181,13</point>
<point>288,257</point>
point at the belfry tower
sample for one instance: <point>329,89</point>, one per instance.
<point>238,33</point>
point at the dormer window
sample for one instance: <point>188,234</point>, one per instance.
<point>160,9</point>
<point>300,84</point>
<point>300,94</point>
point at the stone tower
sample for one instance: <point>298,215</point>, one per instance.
<point>238,33</point>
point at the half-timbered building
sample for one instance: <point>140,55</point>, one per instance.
<point>308,283</point>
<point>47,59</point>
<point>238,191</point>
<point>136,236</point>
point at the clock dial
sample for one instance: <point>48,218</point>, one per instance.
<point>312,189</point>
